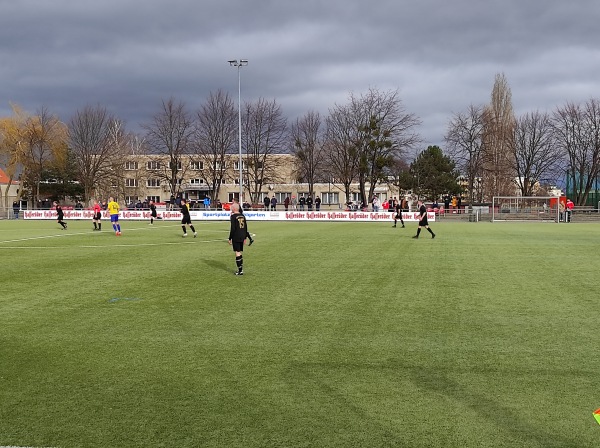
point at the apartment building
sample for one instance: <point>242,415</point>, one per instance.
<point>149,177</point>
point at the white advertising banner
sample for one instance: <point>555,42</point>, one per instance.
<point>217,215</point>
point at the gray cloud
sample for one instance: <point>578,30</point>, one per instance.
<point>309,55</point>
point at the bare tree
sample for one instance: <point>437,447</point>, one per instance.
<point>214,137</point>
<point>386,131</point>
<point>499,122</point>
<point>11,137</point>
<point>264,136</point>
<point>577,133</point>
<point>43,143</point>
<point>533,153</point>
<point>94,138</point>
<point>464,140</point>
<point>307,142</point>
<point>341,153</point>
<point>169,135</point>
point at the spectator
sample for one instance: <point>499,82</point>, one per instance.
<point>301,203</point>
<point>273,203</point>
<point>286,203</point>
<point>318,203</point>
<point>570,206</point>
<point>267,202</point>
<point>309,203</point>
<point>206,202</point>
<point>375,204</point>
<point>16,209</point>
<point>294,203</point>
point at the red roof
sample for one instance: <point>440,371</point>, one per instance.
<point>4,178</point>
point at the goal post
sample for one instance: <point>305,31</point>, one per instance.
<point>526,208</point>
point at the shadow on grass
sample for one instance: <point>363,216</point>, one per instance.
<point>437,382</point>
<point>216,265</point>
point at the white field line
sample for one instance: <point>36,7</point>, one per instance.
<point>66,234</point>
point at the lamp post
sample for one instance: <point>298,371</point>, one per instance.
<point>239,64</point>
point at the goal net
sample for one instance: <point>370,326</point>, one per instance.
<point>526,208</point>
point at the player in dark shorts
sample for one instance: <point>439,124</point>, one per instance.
<point>97,216</point>
<point>398,215</point>
<point>60,216</point>
<point>237,236</point>
<point>186,219</point>
<point>423,220</point>
<point>250,240</point>
<point>153,214</point>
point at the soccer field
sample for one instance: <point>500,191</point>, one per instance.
<point>338,335</point>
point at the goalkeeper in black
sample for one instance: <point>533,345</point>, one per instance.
<point>237,236</point>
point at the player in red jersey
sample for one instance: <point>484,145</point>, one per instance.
<point>97,215</point>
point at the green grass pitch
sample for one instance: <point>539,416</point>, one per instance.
<point>338,335</point>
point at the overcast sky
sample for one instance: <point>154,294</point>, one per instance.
<point>442,56</point>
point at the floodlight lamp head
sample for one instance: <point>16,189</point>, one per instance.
<point>233,62</point>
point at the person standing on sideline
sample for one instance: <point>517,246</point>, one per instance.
<point>186,219</point>
<point>423,220</point>
<point>309,203</point>
<point>207,203</point>
<point>301,203</point>
<point>570,206</point>
<point>97,215</point>
<point>267,202</point>
<point>60,216</point>
<point>398,215</point>
<point>16,208</point>
<point>286,203</point>
<point>237,235</point>
<point>273,203</point>
<point>375,203</point>
<point>561,210</point>
<point>153,215</point>
<point>318,203</point>
<point>113,210</point>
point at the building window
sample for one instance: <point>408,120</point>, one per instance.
<point>281,197</point>
<point>153,198</point>
<point>153,165</point>
<point>196,165</point>
<point>131,165</point>
<point>236,166</point>
<point>131,182</point>
<point>178,165</point>
<point>130,201</point>
<point>196,181</point>
<point>330,198</point>
<point>355,197</point>
<point>153,183</point>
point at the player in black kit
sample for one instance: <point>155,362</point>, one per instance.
<point>237,236</point>
<point>423,220</point>
<point>60,216</point>
<point>152,212</point>
<point>398,215</point>
<point>186,219</point>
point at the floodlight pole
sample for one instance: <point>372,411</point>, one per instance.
<point>239,64</point>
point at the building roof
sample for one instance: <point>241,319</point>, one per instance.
<point>4,178</point>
